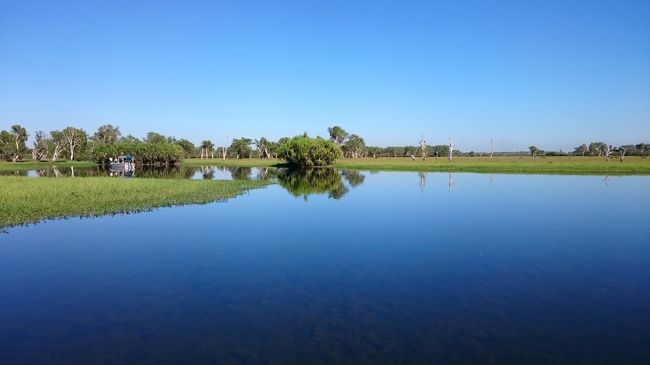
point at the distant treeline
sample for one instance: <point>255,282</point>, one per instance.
<point>76,144</point>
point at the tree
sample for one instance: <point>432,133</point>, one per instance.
<point>354,146</point>
<point>581,150</point>
<point>263,148</point>
<point>188,147</point>
<point>451,148</point>
<point>153,137</point>
<point>207,149</point>
<point>241,148</point>
<point>492,147</point>
<point>597,148</point>
<point>309,152</point>
<point>57,144</point>
<point>107,134</point>
<point>533,150</point>
<point>337,135</point>
<point>41,146</point>
<point>14,142</point>
<point>74,139</point>
<point>423,148</point>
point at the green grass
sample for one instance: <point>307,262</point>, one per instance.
<point>27,200</point>
<point>520,164</point>
<point>35,165</point>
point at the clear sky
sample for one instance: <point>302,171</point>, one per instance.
<point>550,73</point>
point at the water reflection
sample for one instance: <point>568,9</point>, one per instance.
<point>315,181</point>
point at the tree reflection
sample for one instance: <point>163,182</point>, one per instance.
<point>328,181</point>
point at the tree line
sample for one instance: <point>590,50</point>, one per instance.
<point>107,141</point>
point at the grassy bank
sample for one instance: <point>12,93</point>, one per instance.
<point>542,165</point>
<point>35,165</point>
<point>26,200</point>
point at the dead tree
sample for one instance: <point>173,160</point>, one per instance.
<point>423,148</point>
<point>622,155</point>
<point>451,149</point>
<point>492,151</point>
<point>608,152</point>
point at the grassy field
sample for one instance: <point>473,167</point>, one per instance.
<point>35,165</point>
<point>26,200</point>
<point>520,164</point>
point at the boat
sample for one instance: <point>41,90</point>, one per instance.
<point>122,163</point>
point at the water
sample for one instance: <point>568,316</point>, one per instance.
<point>364,268</point>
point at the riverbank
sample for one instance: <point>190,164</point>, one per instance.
<point>516,164</point>
<point>36,165</point>
<point>28,200</point>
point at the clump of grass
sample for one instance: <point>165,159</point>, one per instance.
<point>27,200</point>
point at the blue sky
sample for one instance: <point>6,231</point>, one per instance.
<point>550,73</point>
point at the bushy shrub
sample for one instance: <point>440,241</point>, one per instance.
<point>309,152</point>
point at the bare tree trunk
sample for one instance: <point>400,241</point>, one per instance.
<point>451,149</point>
<point>622,156</point>
<point>492,151</point>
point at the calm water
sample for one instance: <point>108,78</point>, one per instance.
<point>343,267</point>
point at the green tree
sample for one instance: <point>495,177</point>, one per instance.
<point>107,134</point>
<point>533,150</point>
<point>354,146</point>
<point>75,139</point>
<point>13,142</point>
<point>241,148</point>
<point>309,152</point>
<point>337,135</point>
<point>41,146</point>
<point>154,137</point>
<point>581,150</point>
<point>188,147</point>
<point>207,149</point>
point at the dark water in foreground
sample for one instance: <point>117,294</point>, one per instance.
<point>368,268</point>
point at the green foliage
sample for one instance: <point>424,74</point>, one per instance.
<point>13,143</point>
<point>153,137</point>
<point>309,152</point>
<point>107,134</point>
<point>144,153</point>
<point>241,148</point>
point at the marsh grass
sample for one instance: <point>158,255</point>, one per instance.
<point>514,164</point>
<point>36,165</point>
<point>517,164</point>
<point>27,200</point>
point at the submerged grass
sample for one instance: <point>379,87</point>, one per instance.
<point>26,200</point>
<point>515,164</point>
<point>35,165</point>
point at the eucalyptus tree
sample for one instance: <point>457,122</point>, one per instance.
<point>41,146</point>
<point>581,150</point>
<point>241,147</point>
<point>492,147</point>
<point>107,134</point>
<point>337,135</point>
<point>14,142</point>
<point>154,137</point>
<point>423,148</point>
<point>533,150</point>
<point>262,145</point>
<point>452,146</point>
<point>57,144</point>
<point>207,149</point>
<point>74,138</point>
<point>354,146</point>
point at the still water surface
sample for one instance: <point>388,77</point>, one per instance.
<point>348,267</point>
